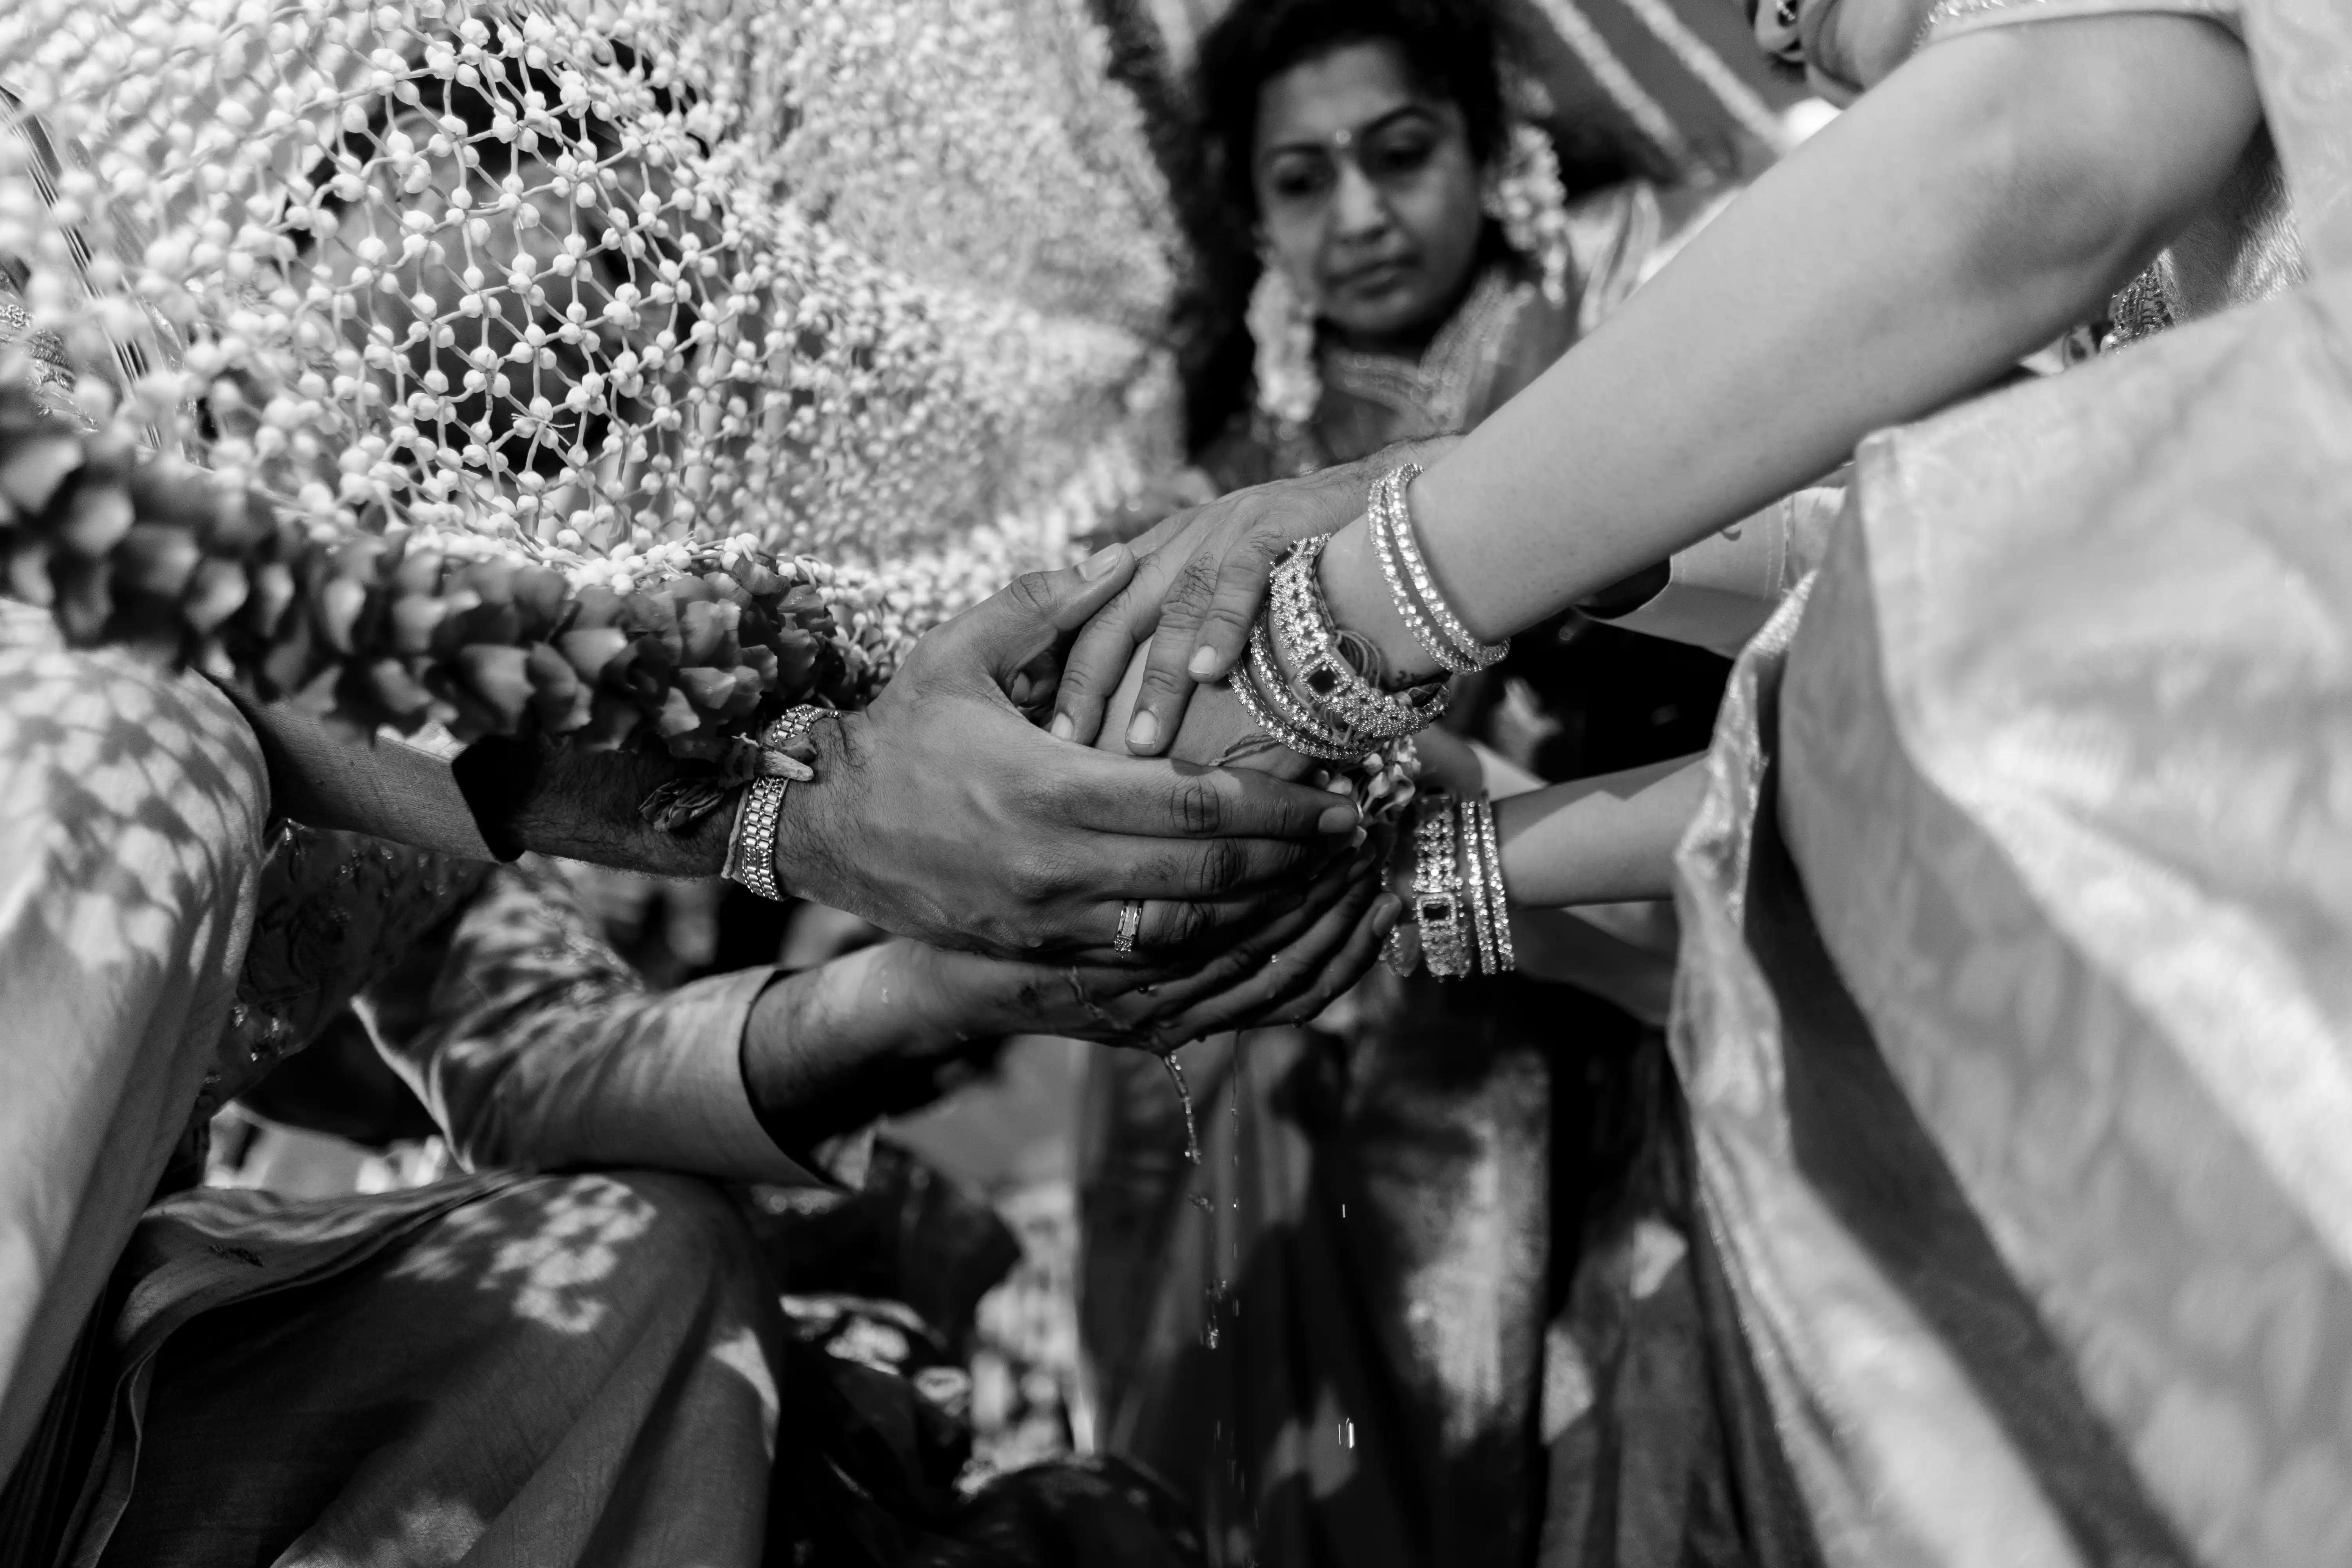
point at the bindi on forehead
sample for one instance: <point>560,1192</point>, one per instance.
<point>1336,98</point>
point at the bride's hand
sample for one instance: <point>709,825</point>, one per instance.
<point>1199,580</point>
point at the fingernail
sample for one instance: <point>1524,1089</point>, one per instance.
<point>1063,726</point>
<point>1204,662</point>
<point>1141,730</point>
<point>1337,819</point>
<point>1363,832</point>
<point>1102,562</point>
<point>1385,910</point>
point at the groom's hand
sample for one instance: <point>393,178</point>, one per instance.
<point>940,813</point>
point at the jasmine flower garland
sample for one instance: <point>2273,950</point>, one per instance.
<point>599,293</point>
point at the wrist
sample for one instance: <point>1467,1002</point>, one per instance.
<point>933,1003</point>
<point>971,997</point>
<point>1360,605</point>
<point>803,854</point>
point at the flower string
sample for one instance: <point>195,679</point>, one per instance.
<point>685,646</point>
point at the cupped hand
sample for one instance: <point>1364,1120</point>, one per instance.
<point>1287,971</point>
<point>1197,588</point>
<point>942,813</point>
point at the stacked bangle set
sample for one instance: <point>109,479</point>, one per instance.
<point>1301,687</point>
<point>1458,902</point>
<point>751,850</point>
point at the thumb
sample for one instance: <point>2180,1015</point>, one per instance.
<point>1004,632</point>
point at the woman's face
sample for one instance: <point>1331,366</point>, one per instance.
<point>1368,193</point>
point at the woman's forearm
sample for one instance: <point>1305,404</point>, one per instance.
<point>1602,840</point>
<point>1987,196</point>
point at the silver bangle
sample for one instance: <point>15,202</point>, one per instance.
<point>1268,685</point>
<point>1321,674</point>
<point>752,850</point>
<point>1380,512</point>
<point>1437,893</point>
<point>1474,881</point>
<point>1451,645</point>
<point>751,863</point>
<point>1271,709</point>
<point>1498,898</point>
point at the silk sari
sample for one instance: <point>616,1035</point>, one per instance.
<point>2014,1015</point>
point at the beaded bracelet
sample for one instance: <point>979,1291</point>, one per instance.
<point>752,859</point>
<point>1424,609</point>
<point>751,848</point>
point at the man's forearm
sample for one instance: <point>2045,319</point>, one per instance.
<point>831,1048</point>
<point>1987,196</point>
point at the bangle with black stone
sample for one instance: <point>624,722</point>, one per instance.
<point>1285,725</point>
<point>1437,891</point>
<point>1320,674</point>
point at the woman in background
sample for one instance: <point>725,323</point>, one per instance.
<point>2012,888</point>
<point>1401,1203</point>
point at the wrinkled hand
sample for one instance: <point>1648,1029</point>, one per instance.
<point>940,813</point>
<point>1199,585</point>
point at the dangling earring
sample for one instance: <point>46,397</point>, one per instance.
<point>1526,196</point>
<point>1282,325</point>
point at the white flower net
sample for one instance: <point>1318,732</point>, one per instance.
<point>877,280</point>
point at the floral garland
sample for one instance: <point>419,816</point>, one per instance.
<point>1525,195</point>
<point>555,313</point>
<point>683,646</point>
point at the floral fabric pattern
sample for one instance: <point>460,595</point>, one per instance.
<point>131,804</point>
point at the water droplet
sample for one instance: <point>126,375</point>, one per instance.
<point>1192,1128</point>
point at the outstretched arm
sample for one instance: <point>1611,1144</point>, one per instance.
<point>532,1043</point>
<point>1990,194</point>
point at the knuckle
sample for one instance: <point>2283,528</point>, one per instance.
<point>1032,592</point>
<point>1196,580</point>
<point>1200,806</point>
<point>1034,878</point>
<point>1265,543</point>
<point>1223,863</point>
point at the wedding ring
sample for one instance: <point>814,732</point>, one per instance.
<point>1131,923</point>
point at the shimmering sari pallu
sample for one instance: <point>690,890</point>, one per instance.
<point>2017,1008</point>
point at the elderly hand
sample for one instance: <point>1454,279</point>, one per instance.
<point>1197,590</point>
<point>942,813</point>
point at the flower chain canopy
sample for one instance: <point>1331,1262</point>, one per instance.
<point>547,317</point>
